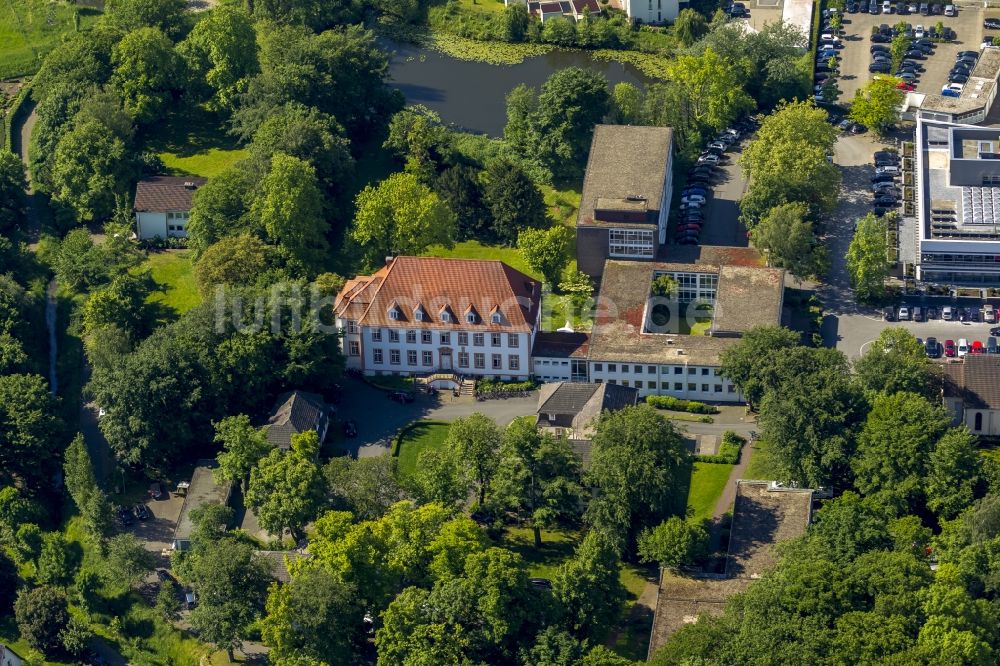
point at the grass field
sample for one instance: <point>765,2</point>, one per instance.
<point>562,204</point>
<point>193,142</point>
<point>708,480</point>
<point>423,436</point>
<point>763,465</point>
<point>172,269</point>
<point>476,250</point>
<point>29,29</point>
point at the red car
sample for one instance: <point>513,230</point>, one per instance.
<point>977,348</point>
<point>903,85</point>
<point>689,227</point>
<point>949,348</point>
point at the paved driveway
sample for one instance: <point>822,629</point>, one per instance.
<point>723,220</point>
<point>379,419</point>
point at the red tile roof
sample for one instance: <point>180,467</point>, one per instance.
<point>434,284</point>
<point>166,193</point>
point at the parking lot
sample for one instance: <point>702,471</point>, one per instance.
<point>855,56</point>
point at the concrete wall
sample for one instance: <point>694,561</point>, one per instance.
<point>591,250</point>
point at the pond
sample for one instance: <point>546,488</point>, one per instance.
<point>471,95</point>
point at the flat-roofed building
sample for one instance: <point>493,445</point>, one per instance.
<point>626,196</point>
<point>202,490</point>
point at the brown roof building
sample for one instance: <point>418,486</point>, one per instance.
<point>571,408</point>
<point>166,193</point>
<point>626,195</point>
<point>295,413</point>
<point>971,392</point>
<point>420,315</point>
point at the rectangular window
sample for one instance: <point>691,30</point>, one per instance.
<point>630,242</point>
<point>463,359</point>
<point>598,367</point>
<point>514,362</point>
<point>651,369</point>
<point>480,360</point>
<point>352,328</point>
<point>376,335</point>
<point>497,361</point>
<point>704,371</point>
<point>715,372</point>
<point>411,357</point>
<point>428,358</point>
<point>732,389</point>
<point>394,357</point>
<point>612,381</point>
<point>377,356</point>
<point>718,388</point>
<point>665,386</point>
<point>411,337</point>
<point>678,386</point>
<point>704,388</point>
<point>651,385</point>
<point>393,335</point>
<point>692,371</point>
<point>612,367</point>
<point>478,340</point>
<point>512,340</point>
<point>494,339</point>
<point>678,370</point>
<point>638,370</point>
<point>625,382</point>
<point>354,349</point>
<point>463,339</point>
<point>425,337</point>
<point>446,338</point>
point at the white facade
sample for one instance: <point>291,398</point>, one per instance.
<point>691,382</point>
<point>168,224</point>
<point>652,11</point>
<point>408,351</point>
<point>8,657</point>
<point>559,369</point>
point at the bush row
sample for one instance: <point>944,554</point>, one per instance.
<point>495,385</point>
<point>729,451</point>
<point>679,405</point>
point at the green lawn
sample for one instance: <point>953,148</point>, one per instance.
<point>172,269</point>
<point>563,204</point>
<point>193,141</point>
<point>763,465</point>
<point>708,480</point>
<point>29,29</point>
<point>476,250</point>
<point>422,436</point>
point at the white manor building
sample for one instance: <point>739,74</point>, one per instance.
<point>424,315</point>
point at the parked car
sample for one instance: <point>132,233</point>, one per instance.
<point>995,331</point>
<point>972,314</point>
<point>873,7</point>
<point>886,155</point>
<point>155,491</point>
<point>402,397</point>
<point>932,313</point>
<point>695,198</point>
<point>888,7</point>
<point>991,345</point>
<point>886,201</point>
<point>925,9</point>
<point>918,314</point>
<point>688,227</point>
<point>991,24</point>
<point>987,42</point>
<point>932,348</point>
<point>350,428</point>
<point>907,87</point>
<point>889,314</point>
<point>124,516</point>
<point>948,92</point>
<point>903,314</point>
<point>884,178</point>
<point>879,48</point>
<point>949,348</point>
<point>990,313</point>
<point>886,170</point>
<point>853,7</point>
<point>918,31</point>
<point>141,512</point>
<point>880,67</point>
<point>879,38</point>
<point>958,78</point>
<point>963,347</point>
<point>977,347</point>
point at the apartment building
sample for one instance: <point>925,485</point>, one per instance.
<point>423,315</point>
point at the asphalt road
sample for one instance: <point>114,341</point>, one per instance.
<point>723,225</point>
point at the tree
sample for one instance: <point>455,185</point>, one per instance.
<point>167,603</point>
<point>689,27</point>
<point>626,104</point>
<point>13,185</point>
<point>98,517</point>
<point>238,261</point>
<point>78,471</point>
<point>243,447</point>
<point>89,168</point>
<point>400,216</point>
<point>787,237</point>
<point>571,102</point>
<point>221,207</point>
<point>121,304</point>
<point>546,251</point>
<point>752,363</point>
<point>231,583</point>
<point>147,70</point>
<point>285,491</point>
<point>636,455</point>
<point>315,616</point>
<point>867,258</point>
<point>664,286</point>
<point>895,362</point>
<point>514,201</point>
<point>78,262</point>
<point>588,588</point>
<point>895,444</point>
<point>440,477</point>
<point>29,429</point>
<point>58,560</point>
<point>222,51</point>
<point>714,88</point>
<point>673,543</point>
<point>460,189</point>
<point>128,15</point>
<point>127,560</point>
<point>952,473</point>
<point>41,614</point>
<point>417,135</point>
<point>312,13</point>
<point>367,486</point>
<point>898,48</point>
<point>290,208</point>
<point>877,103</point>
<point>476,441</point>
<point>538,476</point>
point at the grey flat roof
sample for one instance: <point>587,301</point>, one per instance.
<point>624,161</point>
<point>748,297</point>
<point>203,491</point>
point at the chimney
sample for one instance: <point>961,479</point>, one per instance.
<point>388,259</point>
<point>189,185</point>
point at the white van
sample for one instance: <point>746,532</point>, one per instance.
<point>963,347</point>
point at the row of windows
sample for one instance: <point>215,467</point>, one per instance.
<point>960,258</point>
<point>665,386</point>
<point>630,243</point>
<point>478,359</point>
<point>651,369</point>
<point>444,337</point>
<point>178,216</point>
<point>420,314</point>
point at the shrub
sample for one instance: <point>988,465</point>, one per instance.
<point>497,386</point>
<point>729,450</point>
<point>679,405</point>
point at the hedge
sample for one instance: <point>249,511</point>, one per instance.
<point>496,386</point>
<point>12,112</point>
<point>729,451</point>
<point>679,405</point>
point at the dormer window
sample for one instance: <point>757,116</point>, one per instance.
<point>394,313</point>
<point>419,313</point>
<point>446,317</point>
<point>497,319</point>
<point>470,317</point>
